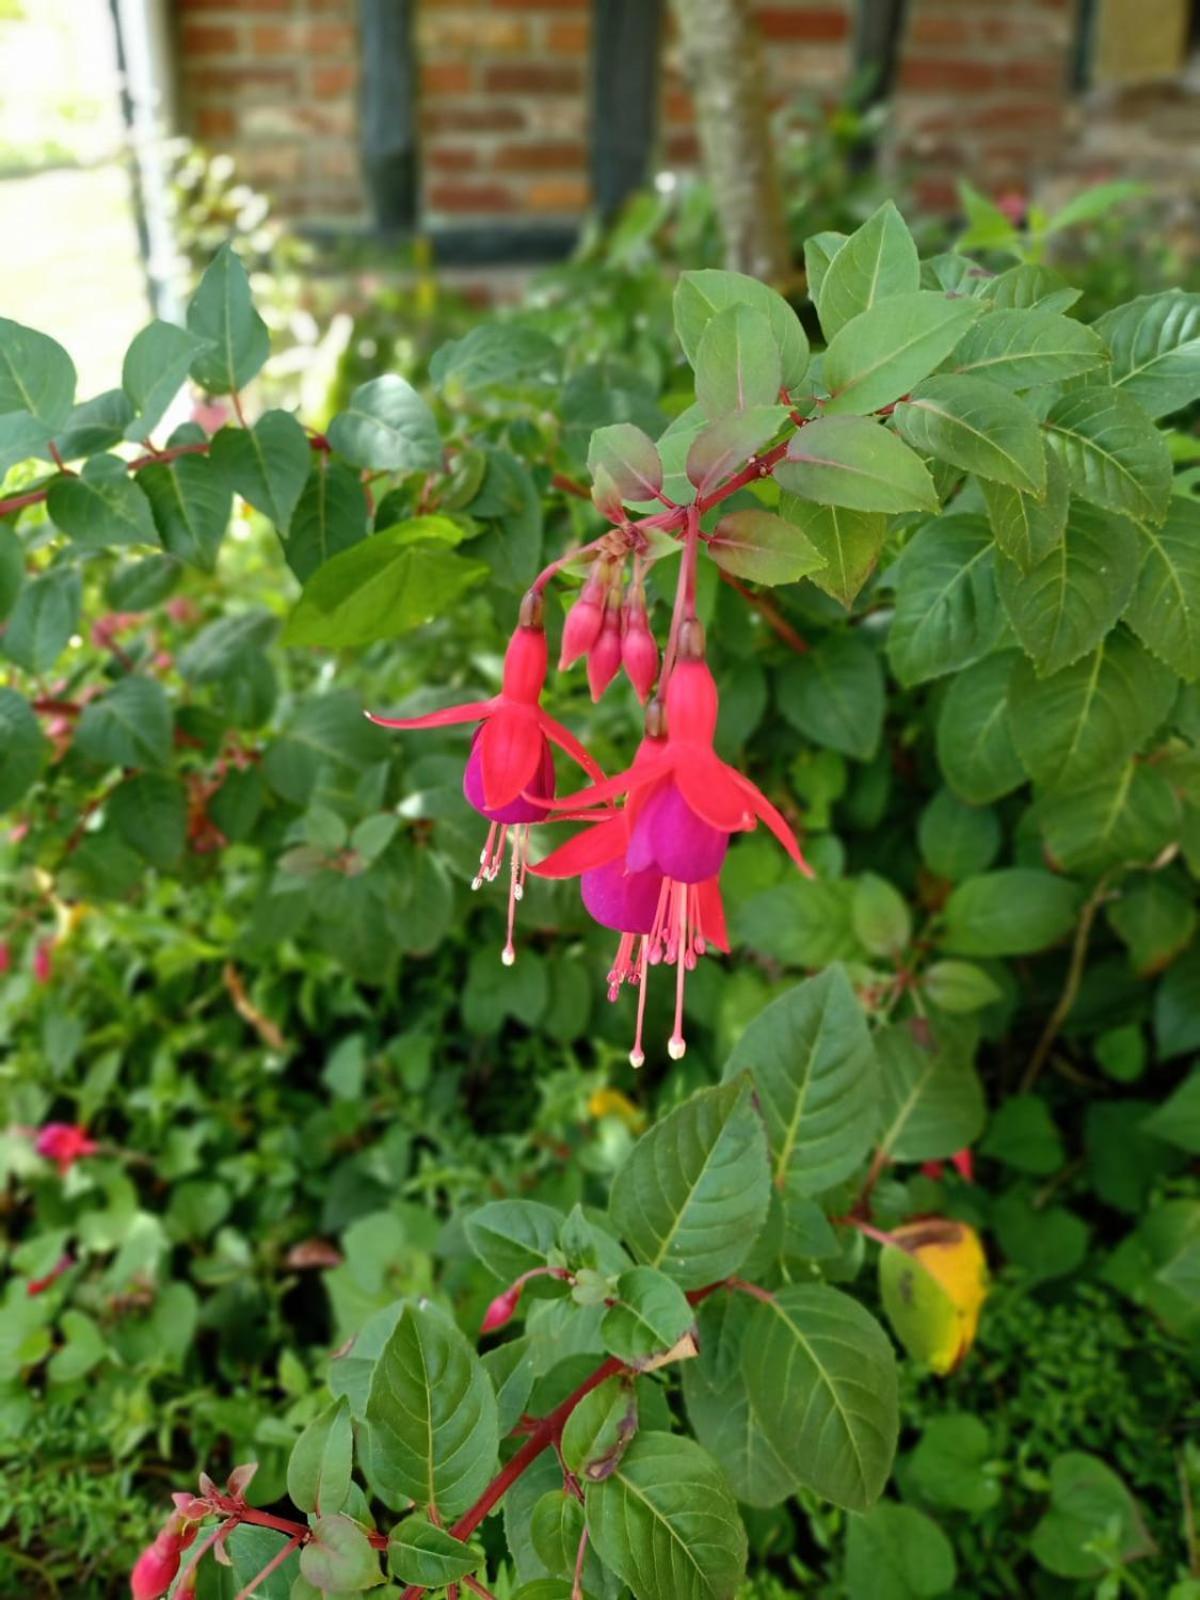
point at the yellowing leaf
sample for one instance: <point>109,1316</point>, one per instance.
<point>933,1277</point>
<point>612,1103</point>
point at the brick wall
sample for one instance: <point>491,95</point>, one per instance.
<point>981,93</point>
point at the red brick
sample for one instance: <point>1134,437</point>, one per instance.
<point>233,78</point>
<point>474,33</point>
<point>328,82</point>
<point>783,22</point>
<point>556,194</point>
<point>1029,114</point>
<point>471,117</point>
<point>682,149</point>
<point>204,39</point>
<point>469,197</point>
<point>274,39</point>
<point>544,155</point>
<point>1033,75</point>
<point>331,38</point>
<point>531,77</point>
<point>937,194</point>
<point>939,30</point>
<point>451,157</point>
<point>678,106</point>
<point>568,38</point>
<point>447,77</point>
<point>215,122</point>
<point>957,76</point>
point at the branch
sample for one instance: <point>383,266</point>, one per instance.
<point>1070,989</point>
<point>769,612</point>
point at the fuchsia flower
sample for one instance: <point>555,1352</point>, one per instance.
<point>650,872</point>
<point>962,1161</point>
<point>509,777</point>
<point>64,1143</point>
<point>155,1569</point>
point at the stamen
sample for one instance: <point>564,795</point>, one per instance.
<point>676,1045</point>
<point>637,1055</point>
<point>519,843</point>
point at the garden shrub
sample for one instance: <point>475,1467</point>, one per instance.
<point>286,1133</point>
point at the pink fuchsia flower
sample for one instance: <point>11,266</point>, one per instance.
<point>683,804</point>
<point>64,1143</point>
<point>37,1286</point>
<point>43,961</point>
<point>154,1570</point>
<point>584,620</point>
<point>963,1163</point>
<point>509,776</point>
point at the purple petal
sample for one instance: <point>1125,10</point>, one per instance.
<point>624,901</point>
<point>520,809</point>
<point>670,836</point>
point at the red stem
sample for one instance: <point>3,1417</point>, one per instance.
<point>275,1562</point>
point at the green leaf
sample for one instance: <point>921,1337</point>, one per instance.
<point>1153,922</point>
<point>950,1465</point>
<point>266,464</point>
<point>834,695</point>
<point>881,918</point>
<point>221,312</point>
<point>142,583</point>
<point>699,296</point>
<point>932,1099</point>
<point>737,362</point>
<point>666,1524</point>
<point>431,1415</point>
<point>511,1371</point>
<point>102,507</point>
<point>1030,288</point>
<point>1128,815</point>
<point>1177,1120</point>
<point>988,228</point>
<point>339,1557</point>
<point>155,369</point>
<point>956,839</point>
<point>721,1411</point>
<point>555,1530</point>
<point>512,1237</point>
<point>1177,1008</point>
<point>816,1079</point>
<point>848,542</point>
<point>822,1377</point>
<point>330,516</point>
<point>882,353</point>
<point>319,1467</point>
<point>1090,716</point>
<point>1023,1135</point>
<point>1018,349</point>
<point>723,447</point>
<point>974,740</point>
<point>387,427</point>
<point>1114,455</point>
<point>947,612</point>
<point>420,1553</point>
<point>763,548</point>
<point>856,463</point>
<point>629,457</point>
<point>129,726</point>
<point>1013,911</point>
<point>22,748</point>
<point>1062,607</point>
<point>819,251</point>
<point>1027,528</point>
<point>877,262</point>
<point>190,502</point>
<point>150,812</point>
<point>599,1429</point>
<point>21,436</point>
<point>498,353</point>
<point>36,375</point>
<point>959,987</point>
<point>692,1194</point>
<point>383,587</point>
<point>1090,1512</point>
<point>1155,345</point>
<point>250,1550</point>
<point>648,1317</point>
<point>897,1553</point>
<point>973,424</point>
<point>1165,609</point>
<point>95,424</point>
<point>83,1349</point>
<point>225,646</point>
<point>43,619</point>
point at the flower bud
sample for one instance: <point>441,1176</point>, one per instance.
<point>604,658</point>
<point>5,955</point>
<point>155,1569</point>
<point>501,1309</point>
<point>581,629</point>
<point>639,652</point>
<point>43,961</point>
<point>525,663</point>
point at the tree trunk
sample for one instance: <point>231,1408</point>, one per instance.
<point>723,60</point>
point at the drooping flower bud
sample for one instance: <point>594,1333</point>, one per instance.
<point>604,658</point>
<point>43,961</point>
<point>5,955</point>
<point>583,623</point>
<point>155,1569</point>
<point>639,651</point>
<point>64,1143</point>
<point>501,1309</point>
